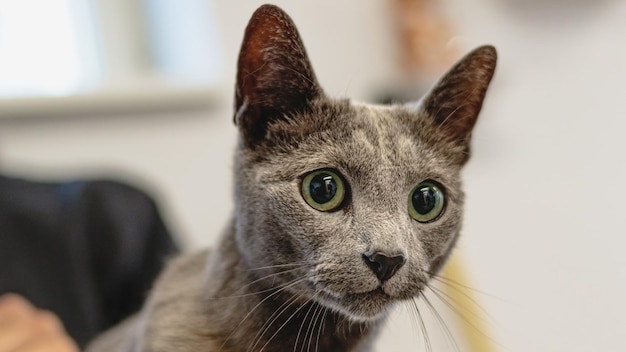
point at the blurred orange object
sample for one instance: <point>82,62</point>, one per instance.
<point>424,33</point>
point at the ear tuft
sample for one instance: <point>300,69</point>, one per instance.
<point>274,76</point>
<point>455,101</point>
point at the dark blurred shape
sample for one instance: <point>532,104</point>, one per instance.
<point>87,251</point>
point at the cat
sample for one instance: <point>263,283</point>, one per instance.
<point>342,209</point>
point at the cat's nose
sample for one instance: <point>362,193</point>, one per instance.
<point>384,265</point>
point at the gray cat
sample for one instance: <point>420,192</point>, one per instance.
<point>342,210</point>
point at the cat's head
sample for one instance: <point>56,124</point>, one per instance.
<point>352,205</point>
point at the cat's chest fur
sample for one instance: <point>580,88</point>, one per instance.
<point>342,210</point>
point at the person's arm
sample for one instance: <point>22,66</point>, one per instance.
<point>24,328</point>
<point>128,242</point>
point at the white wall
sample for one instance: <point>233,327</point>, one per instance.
<point>545,228</point>
<point>544,231</point>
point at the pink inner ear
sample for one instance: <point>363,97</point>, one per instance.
<point>260,35</point>
<point>274,76</point>
<point>455,102</point>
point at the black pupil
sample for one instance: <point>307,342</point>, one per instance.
<point>424,200</point>
<point>323,188</point>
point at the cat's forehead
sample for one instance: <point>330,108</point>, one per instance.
<point>365,140</point>
<point>388,133</point>
<point>380,129</point>
<point>384,150</point>
<point>393,140</point>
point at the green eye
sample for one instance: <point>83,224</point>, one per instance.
<point>426,202</point>
<point>323,190</point>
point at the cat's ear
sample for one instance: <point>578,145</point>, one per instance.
<point>274,76</point>
<point>455,101</point>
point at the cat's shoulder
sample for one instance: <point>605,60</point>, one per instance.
<point>173,306</point>
<point>182,274</point>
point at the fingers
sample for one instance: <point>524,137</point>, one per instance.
<point>54,343</point>
<point>15,315</point>
<point>24,328</point>
<point>12,305</point>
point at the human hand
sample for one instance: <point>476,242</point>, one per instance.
<point>24,328</point>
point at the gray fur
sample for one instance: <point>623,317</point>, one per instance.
<point>286,276</point>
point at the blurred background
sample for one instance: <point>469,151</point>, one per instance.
<point>141,91</point>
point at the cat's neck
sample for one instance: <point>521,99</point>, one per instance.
<point>265,318</point>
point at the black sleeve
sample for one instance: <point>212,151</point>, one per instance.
<point>88,251</point>
<point>129,245</point>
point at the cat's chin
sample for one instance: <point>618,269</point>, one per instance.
<point>360,307</point>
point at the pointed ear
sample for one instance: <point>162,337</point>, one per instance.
<point>455,101</point>
<point>274,76</point>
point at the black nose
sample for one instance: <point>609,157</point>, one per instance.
<point>384,265</point>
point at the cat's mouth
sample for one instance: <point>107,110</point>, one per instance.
<point>379,291</point>
<point>363,306</point>
<point>377,296</point>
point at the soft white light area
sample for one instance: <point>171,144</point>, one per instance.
<point>38,48</point>
<point>65,47</point>
<point>184,40</point>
